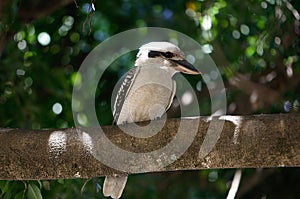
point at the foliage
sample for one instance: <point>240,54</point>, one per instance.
<point>21,189</point>
<point>256,39</point>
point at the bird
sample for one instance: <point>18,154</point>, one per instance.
<point>146,93</point>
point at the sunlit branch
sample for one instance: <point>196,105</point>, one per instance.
<point>258,141</point>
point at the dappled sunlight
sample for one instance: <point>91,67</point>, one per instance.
<point>237,121</point>
<point>57,143</point>
<point>87,141</point>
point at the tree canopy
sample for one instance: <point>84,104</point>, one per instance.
<point>255,45</point>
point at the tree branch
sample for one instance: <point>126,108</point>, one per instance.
<point>263,93</point>
<point>245,142</point>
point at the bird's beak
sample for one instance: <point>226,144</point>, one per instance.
<point>185,67</point>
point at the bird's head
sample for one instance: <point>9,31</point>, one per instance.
<point>166,55</point>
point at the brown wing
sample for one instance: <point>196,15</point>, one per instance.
<point>123,92</point>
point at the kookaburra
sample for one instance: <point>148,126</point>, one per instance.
<point>147,93</point>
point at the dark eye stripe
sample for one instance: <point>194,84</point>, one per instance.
<point>153,54</point>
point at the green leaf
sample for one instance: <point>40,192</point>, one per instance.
<point>40,184</point>
<point>5,186</point>
<point>19,195</point>
<point>34,192</point>
<point>8,195</point>
<point>2,184</point>
<point>61,181</point>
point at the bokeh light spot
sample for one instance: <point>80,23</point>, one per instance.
<point>167,14</point>
<point>68,21</point>
<point>277,40</point>
<point>244,29</point>
<point>44,38</point>
<point>22,44</point>
<point>187,98</point>
<point>19,36</point>
<point>236,34</point>
<point>287,106</point>
<point>199,86</point>
<point>86,8</point>
<point>76,79</point>
<point>264,5</point>
<point>191,59</point>
<point>74,37</point>
<point>57,108</point>
<point>206,23</point>
<point>213,176</point>
<point>100,35</point>
<point>28,82</point>
<point>207,48</point>
<point>250,51</point>
<point>206,78</point>
<point>214,75</point>
<point>20,72</point>
<point>82,119</point>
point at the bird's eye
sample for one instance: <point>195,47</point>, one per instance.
<point>168,54</point>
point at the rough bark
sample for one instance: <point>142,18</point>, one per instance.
<point>245,142</point>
